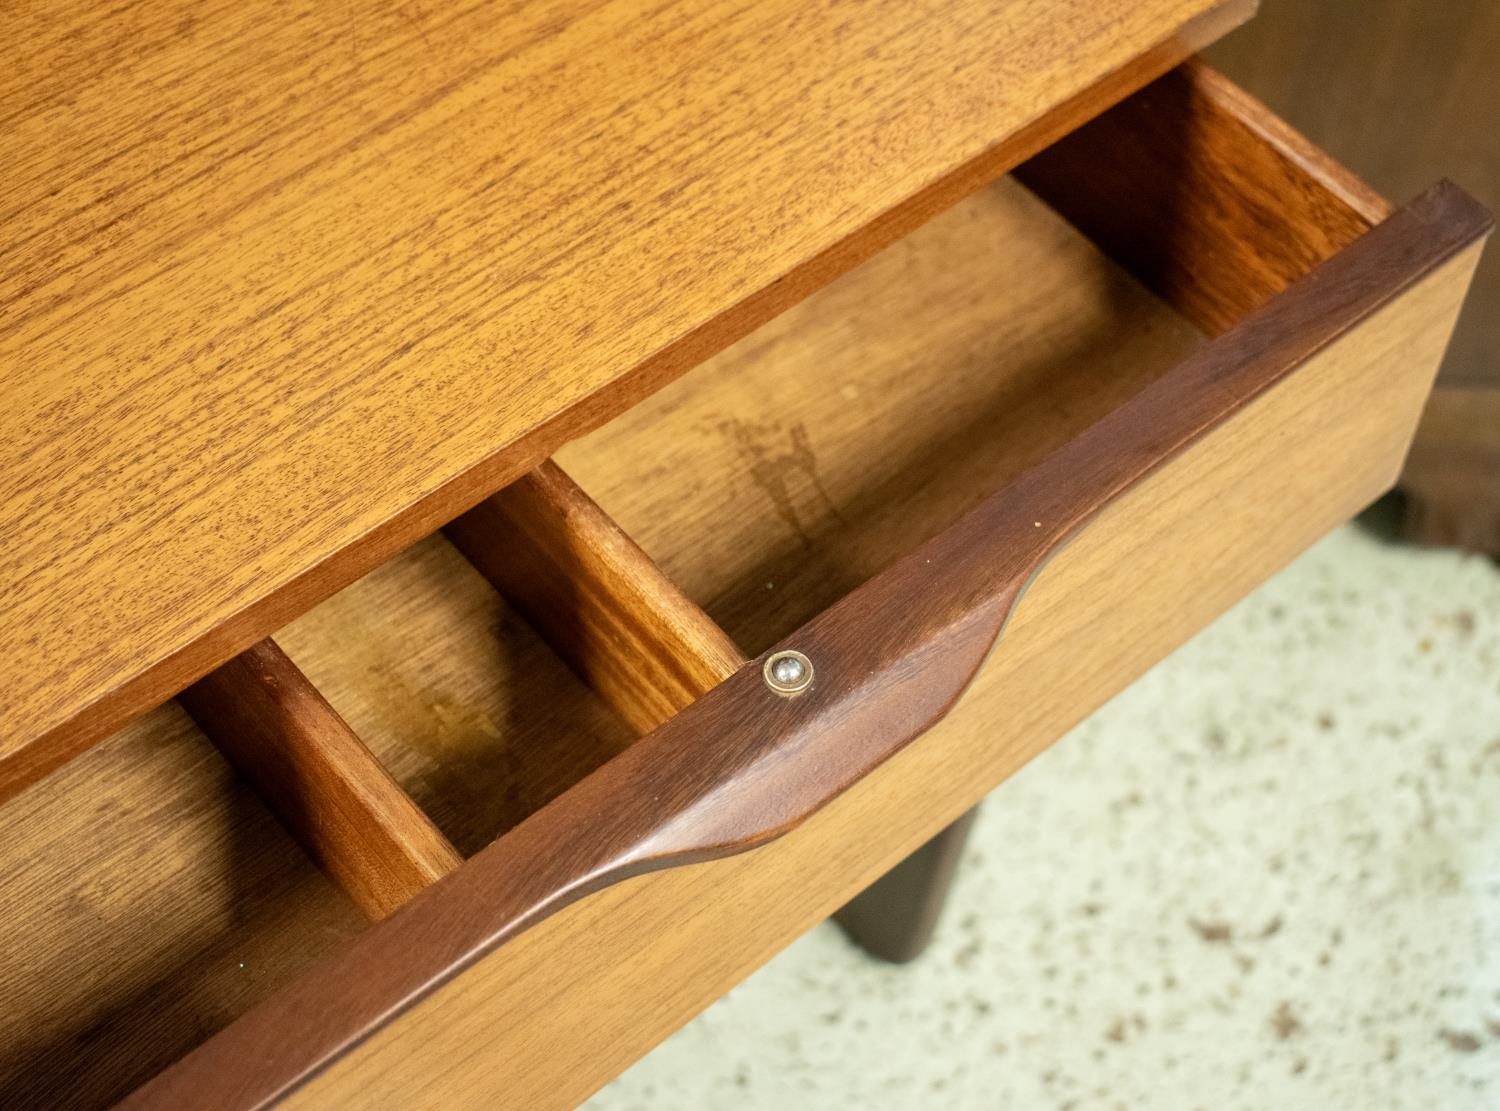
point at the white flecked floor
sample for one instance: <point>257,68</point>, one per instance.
<point>1266,876</point>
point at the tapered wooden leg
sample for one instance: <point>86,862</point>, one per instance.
<point>1452,477</point>
<point>895,917</point>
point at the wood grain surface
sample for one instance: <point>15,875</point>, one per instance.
<point>287,287</point>
<point>789,469</point>
<point>1025,334</point>
<point>482,725</point>
<point>319,779</point>
<point>761,765</point>
<point>1203,193</point>
<point>625,628</point>
<point>1012,315</point>
<point>477,719</point>
<point>150,898</point>
<point>1016,321</point>
<point>150,895</point>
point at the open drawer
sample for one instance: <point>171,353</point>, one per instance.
<point>980,483</point>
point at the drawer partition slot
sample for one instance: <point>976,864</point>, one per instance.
<point>320,779</point>
<point>1212,202</point>
<point>598,600</point>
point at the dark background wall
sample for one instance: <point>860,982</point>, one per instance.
<point>1402,92</point>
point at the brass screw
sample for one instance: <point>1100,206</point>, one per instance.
<point>788,673</point>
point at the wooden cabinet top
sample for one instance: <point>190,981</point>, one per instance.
<point>286,285</point>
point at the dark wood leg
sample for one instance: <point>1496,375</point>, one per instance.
<point>894,918</point>
<point>1452,479</point>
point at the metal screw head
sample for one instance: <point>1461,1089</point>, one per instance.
<point>788,672</point>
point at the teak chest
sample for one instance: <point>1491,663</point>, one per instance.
<point>425,434</point>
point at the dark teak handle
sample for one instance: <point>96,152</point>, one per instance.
<point>743,764</point>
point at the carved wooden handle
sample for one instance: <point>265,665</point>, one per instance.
<point>743,764</point>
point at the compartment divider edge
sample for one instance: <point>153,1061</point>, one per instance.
<point>312,771</point>
<point>600,601</point>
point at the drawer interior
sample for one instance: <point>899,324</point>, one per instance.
<point>151,895</point>
<point>453,692</point>
<point>478,675</point>
<point>150,898</point>
<point>775,478</point>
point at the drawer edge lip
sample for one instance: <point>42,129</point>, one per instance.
<point>464,917</point>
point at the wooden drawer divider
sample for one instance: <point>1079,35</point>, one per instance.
<point>599,601</point>
<point>319,778</point>
<point>587,588</point>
